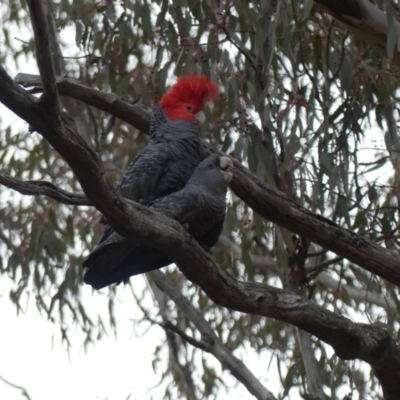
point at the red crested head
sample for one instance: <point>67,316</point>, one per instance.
<point>187,97</point>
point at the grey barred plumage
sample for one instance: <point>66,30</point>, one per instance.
<point>163,166</point>
<point>200,205</point>
<point>166,163</point>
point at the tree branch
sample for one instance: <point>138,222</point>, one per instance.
<point>349,340</point>
<point>365,20</point>
<point>168,325</point>
<point>267,201</point>
<point>35,188</point>
<point>59,67</point>
<point>180,371</point>
<point>210,341</point>
<point>133,114</point>
<point>38,15</point>
<point>296,267</point>
<point>310,365</point>
<point>358,295</point>
<point>23,390</point>
<point>264,263</point>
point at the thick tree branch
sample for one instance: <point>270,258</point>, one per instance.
<point>262,198</point>
<point>35,188</point>
<point>133,114</point>
<point>19,100</point>
<point>350,340</point>
<point>74,110</point>
<point>40,27</point>
<point>210,341</point>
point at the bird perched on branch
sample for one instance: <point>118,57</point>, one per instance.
<point>200,206</point>
<point>174,150</point>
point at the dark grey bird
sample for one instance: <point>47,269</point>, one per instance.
<point>200,206</point>
<point>174,151</point>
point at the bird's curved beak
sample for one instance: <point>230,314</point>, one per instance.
<point>200,116</point>
<point>226,165</point>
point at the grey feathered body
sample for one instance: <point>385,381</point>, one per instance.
<point>163,166</point>
<point>166,163</point>
<point>200,206</point>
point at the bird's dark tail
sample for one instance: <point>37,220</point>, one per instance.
<point>117,263</point>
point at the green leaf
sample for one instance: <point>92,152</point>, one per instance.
<point>344,209</point>
<point>377,164</point>
<point>391,42</point>
<point>326,162</point>
<point>347,75</point>
<point>161,15</point>
<point>79,28</point>
<point>308,5</point>
<point>146,22</point>
<point>258,225</point>
<point>207,9</point>
<point>248,263</point>
<point>239,148</point>
<point>226,145</point>
<point>388,141</point>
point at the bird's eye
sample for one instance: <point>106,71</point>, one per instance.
<point>210,165</point>
<point>189,108</point>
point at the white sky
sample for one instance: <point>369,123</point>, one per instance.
<point>31,355</point>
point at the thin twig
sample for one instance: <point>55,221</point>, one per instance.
<point>168,325</point>
<point>22,389</point>
<point>36,188</point>
<point>212,344</point>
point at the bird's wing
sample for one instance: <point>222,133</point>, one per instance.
<point>181,206</point>
<point>212,236</point>
<point>118,262</point>
<point>142,176</point>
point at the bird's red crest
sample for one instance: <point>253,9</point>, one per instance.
<point>188,96</point>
